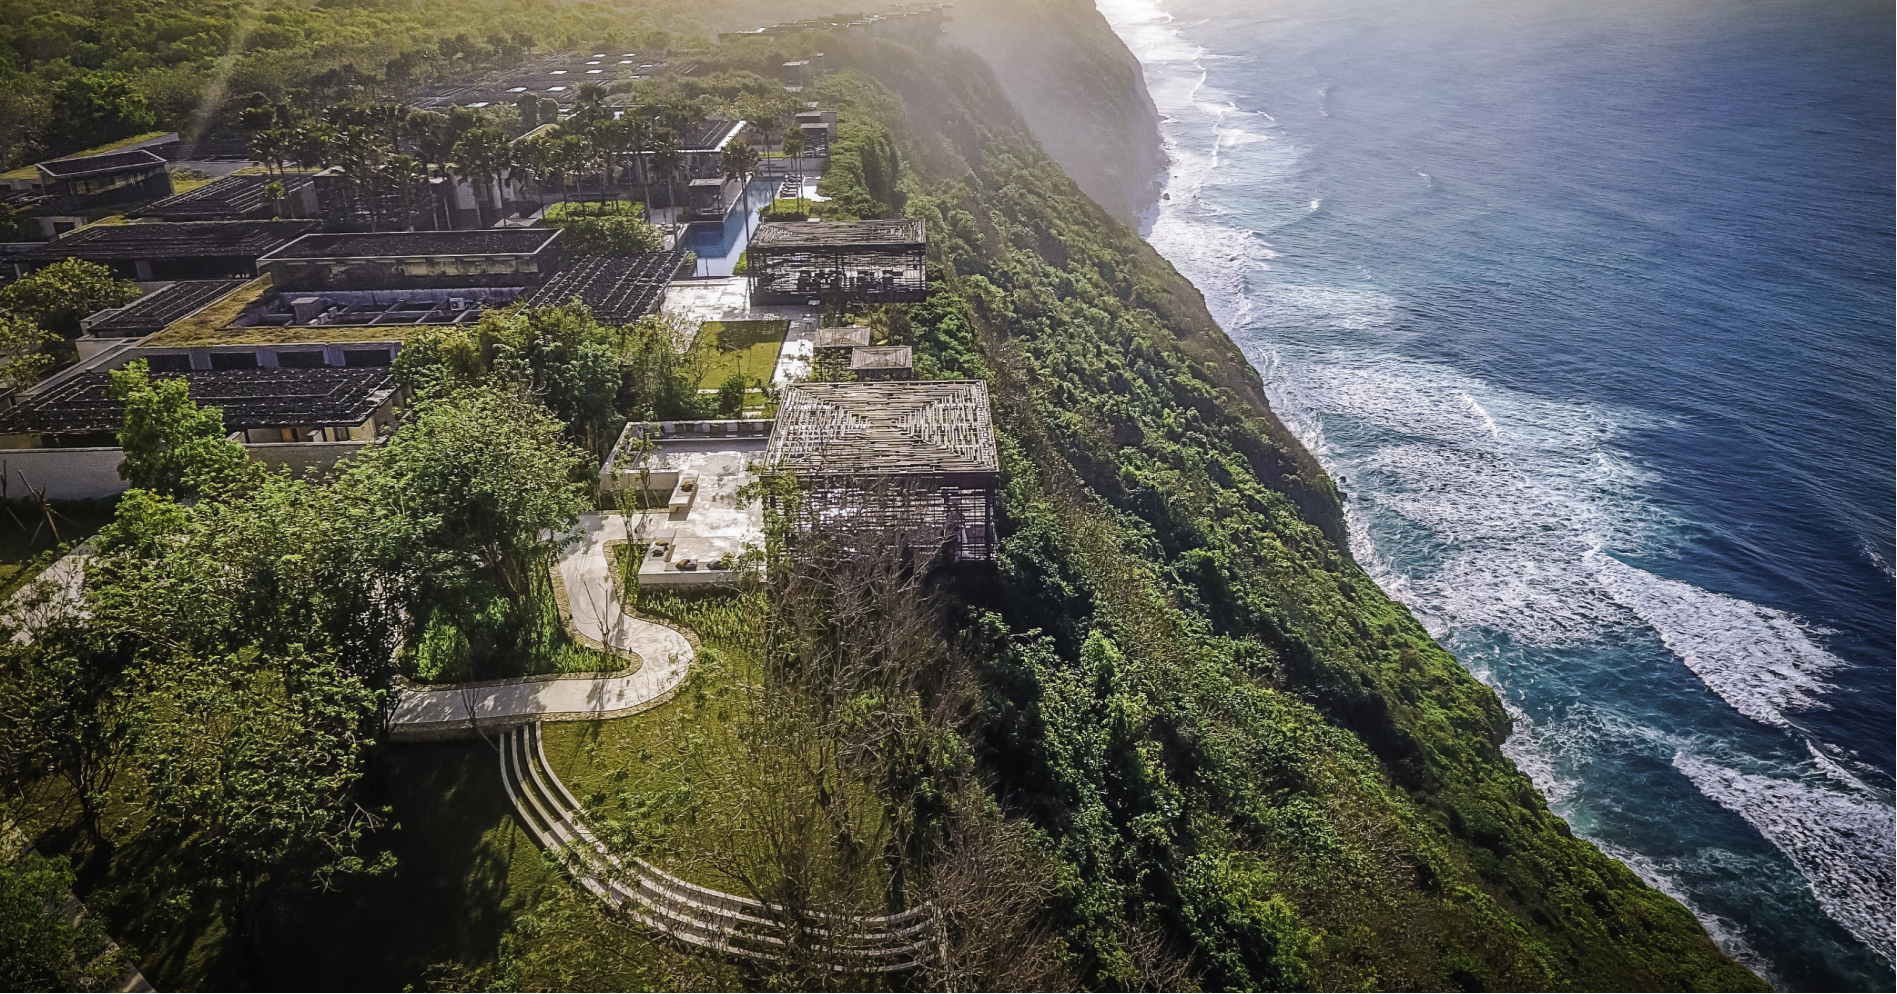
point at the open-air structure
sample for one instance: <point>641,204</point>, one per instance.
<point>914,460</point>
<point>883,362</point>
<point>875,262</point>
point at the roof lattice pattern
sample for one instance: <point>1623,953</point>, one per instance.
<point>924,427</point>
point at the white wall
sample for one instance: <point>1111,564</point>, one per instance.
<point>85,473</point>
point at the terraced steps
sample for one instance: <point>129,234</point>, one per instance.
<point>703,917</point>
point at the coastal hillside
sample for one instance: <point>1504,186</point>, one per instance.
<point>1229,736</point>
<point>445,713</point>
<point>1079,91</point>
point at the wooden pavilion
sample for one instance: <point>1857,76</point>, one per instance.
<point>914,459</point>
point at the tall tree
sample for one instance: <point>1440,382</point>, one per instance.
<point>57,296</point>
<point>173,446</point>
<point>250,767</point>
<point>93,108</point>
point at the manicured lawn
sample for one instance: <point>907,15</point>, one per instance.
<point>749,348</point>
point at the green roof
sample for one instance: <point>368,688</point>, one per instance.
<point>31,170</point>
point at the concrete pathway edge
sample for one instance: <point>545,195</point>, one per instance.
<point>660,655</point>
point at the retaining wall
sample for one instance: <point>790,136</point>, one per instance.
<point>82,473</point>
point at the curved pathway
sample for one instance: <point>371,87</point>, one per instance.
<point>660,656</point>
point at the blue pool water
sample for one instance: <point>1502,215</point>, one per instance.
<point>719,245</point>
<point>1590,303</point>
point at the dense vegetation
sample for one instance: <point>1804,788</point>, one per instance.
<point>1178,738</point>
<point>76,75</point>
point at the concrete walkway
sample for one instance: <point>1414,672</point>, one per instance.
<point>660,656</point>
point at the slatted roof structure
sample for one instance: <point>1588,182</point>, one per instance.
<point>856,261</point>
<point>883,362</point>
<point>151,313</point>
<point>618,289</point>
<point>323,396</point>
<point>847,337</point>
<point>196,239</point>
<point>232,198</point>
<point>913,458</point>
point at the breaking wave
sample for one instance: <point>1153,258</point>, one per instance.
<point>1840,842</point>
<point>1760,660</point>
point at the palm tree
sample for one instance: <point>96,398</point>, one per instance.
<point>433,141</point>
<point>403,171</point>
<point>666,156</point>
<point>589,103</point>
<point>480,156</point>
<point>639,134</point>
<point>739,160</point>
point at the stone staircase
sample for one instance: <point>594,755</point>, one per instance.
<point>697,915</point>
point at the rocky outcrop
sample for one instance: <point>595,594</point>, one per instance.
<point>1079,89</point>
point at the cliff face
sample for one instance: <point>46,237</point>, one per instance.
<point>1079,90</point>
<point>1248,764</point>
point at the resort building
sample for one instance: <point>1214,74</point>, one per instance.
<point>150,314</point>
<point>237,198</point>
<point>413,260</point>
<point>618,289</point>
<point>913,462</point>
<point>164,252</point>
<point>877,262</point>
<point>322,404</point>
<point>86,183</point>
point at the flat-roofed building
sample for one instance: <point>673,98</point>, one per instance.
<point>153,252</point>
<point>910,462</point>
<point>237,198</point>
<point>324,404</point>
<point>877,262</point>
<point>409,260</point>
<point>89,182</point>
<point>150,314</point>
<point>618,289</point>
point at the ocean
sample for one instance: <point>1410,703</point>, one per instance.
<point>1588,306</point>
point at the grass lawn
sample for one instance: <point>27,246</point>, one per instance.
<point>749,348</point>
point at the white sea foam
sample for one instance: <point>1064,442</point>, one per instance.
<point>1513,499</point>
<point>1841,842</point>
<point>1761,660</point>
<point>1877,559</point>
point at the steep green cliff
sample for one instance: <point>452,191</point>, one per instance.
<point>1078,89</point>
<point>1249,765</point>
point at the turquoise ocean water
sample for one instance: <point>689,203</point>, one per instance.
<point>1590,306</point>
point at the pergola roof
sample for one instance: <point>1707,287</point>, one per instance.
<point>155,310</point>
<point>852,336</point>
<point>186,240</point>
<point>929,427</point>
<point>229,198</point>
<point>881,357</point>
<point>413,244</point>
<point>802,235</point>
<point>250,398</point>
<point>619,289</point>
